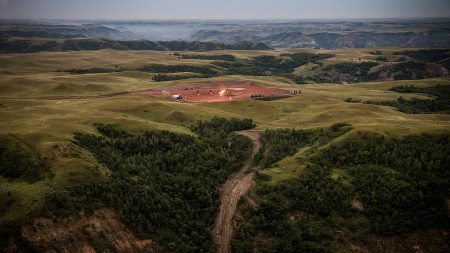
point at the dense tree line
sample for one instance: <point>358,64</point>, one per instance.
<point>411,70</point>
<point>165,77</point>
<point>227,126</point>
<point>164,185</point>
<point>402,184</point>
<point>359,70</point>
<point>440,104</point>
<point>205,71</point>
<point>270,65</point>
<point>427,55</point>
<point>31,46</point>
<point>94,70</point>
<point>345,72</point>
<point>18,160</point>
<point>269,98</point>
<point>279,143</point>
<point>214,57</point>
<point>438,90</point>
<point>365,71</point>
<point>419,156</point>
<point>407,70</point>
<point>293,216</point>
<point>304,58</point>
<point>415,105</point>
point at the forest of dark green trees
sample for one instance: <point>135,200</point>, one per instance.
<point>269,65</point>
<point>164,185</point>
<point>440,103</point>
<point>215,57</point>
<point>94,70</point>
<point>19,161</point>
<point>427,55</point>
<point>345,71</point>
<point>279,143</point>
<point>402,184</point>
<point>161,68</point>
<point>165,77</point>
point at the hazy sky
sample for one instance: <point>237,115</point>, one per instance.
<point>222,9</point>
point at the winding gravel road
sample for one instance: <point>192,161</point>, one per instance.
<point>235,187</point>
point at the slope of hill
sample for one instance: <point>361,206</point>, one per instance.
<point>114,167</point>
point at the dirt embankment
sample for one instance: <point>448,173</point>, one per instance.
<point>231,192</point>
<point>100,232</point>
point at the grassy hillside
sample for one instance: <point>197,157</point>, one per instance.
<point>42,108</point>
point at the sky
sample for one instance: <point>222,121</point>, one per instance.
<point>222,9</point>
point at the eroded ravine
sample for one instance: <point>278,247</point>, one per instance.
<point>235,187</point>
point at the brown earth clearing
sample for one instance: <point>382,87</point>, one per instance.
<point>231,192</point>
<point>216,91</point>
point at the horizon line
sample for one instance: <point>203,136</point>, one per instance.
<point>224,19</point>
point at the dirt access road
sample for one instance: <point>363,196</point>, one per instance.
<point>235,187</point>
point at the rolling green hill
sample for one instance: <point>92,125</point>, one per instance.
<point>82,148</point>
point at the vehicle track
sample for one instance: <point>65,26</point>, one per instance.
<point>233,189</point>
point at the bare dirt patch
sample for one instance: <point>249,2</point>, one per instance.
<point>357,205</point>
<point>215,91</point>
<point>101,231</point>
<point>233,189</point>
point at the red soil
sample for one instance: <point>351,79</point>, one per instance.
<point>209,92</point>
